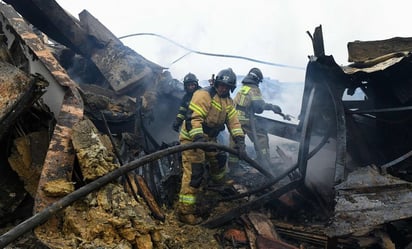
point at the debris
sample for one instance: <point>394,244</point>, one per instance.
<point>71,144</point>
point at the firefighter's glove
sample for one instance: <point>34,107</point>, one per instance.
<point>176,125</point>
<point>199,138</point>
<point>202,139</point>
<point>240,145</point>
<point>276,109</point>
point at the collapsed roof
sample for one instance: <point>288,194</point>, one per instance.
<point>353,133</point>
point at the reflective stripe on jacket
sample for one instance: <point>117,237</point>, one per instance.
<point>207,109</point>
<point>249,100</point>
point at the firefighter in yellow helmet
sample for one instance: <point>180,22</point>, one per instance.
<point>210,109</point>
<point>249,101</point>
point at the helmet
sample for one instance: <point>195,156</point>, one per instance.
<point>254,76</point>
<point>190,78</point>
<point>227,77</point>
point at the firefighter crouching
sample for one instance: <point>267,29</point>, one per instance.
<point>210,109</point>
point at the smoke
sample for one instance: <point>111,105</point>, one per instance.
<point>287,95</point>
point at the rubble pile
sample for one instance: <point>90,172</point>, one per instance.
<point>89,159</point>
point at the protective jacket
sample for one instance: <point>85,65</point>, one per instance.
<point>184,106</point>
<point>207,116</point>
<point>248,101</point>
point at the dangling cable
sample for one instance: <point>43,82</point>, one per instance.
<point>211,54</point>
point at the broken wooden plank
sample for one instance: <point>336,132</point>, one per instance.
<point>148,197</point>
<point>40,59</point>
<point>18,93</point>
<point>249,232</point>
<point>65,103</point>
<point>54,21</point>
<point>92,26</point>
<point>263,225</point>
<point>360,51</point>
<point>266,236</point>
<point>251,205</point>
<point>63,99</point>
<point>95,28</point>
<point>120,65</point>
<point>250,235</point>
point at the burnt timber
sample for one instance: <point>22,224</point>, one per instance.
<point>361,146</point>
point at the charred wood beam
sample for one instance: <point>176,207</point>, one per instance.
<point>254,204</point>
<point>60,156</point>
<point>54,21</point>
<point>93,27</point>
<point>262,225</point>
<point>269,184</point>
<point>31,91</point>
<point>42,216</point>
<point>249,231</point>
<point>67,112</point>
<point>130,68</point>
<point>149,198</point>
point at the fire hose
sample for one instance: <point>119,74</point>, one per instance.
<point>42,216</point>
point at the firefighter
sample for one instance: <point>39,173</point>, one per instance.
<point>191,84</point>
<point>210,109</point>
<point>249,101</point>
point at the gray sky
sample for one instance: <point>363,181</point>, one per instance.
<point>268,30</point>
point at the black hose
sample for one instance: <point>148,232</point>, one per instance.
<point>42,216</point>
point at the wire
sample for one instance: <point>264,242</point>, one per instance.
<point>210,54</point>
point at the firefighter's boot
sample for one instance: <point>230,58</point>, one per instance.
<point>186,213</point>
<point>223,186</point>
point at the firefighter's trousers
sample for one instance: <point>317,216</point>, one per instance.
<point>261,145</point>
<point>198,165</point>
